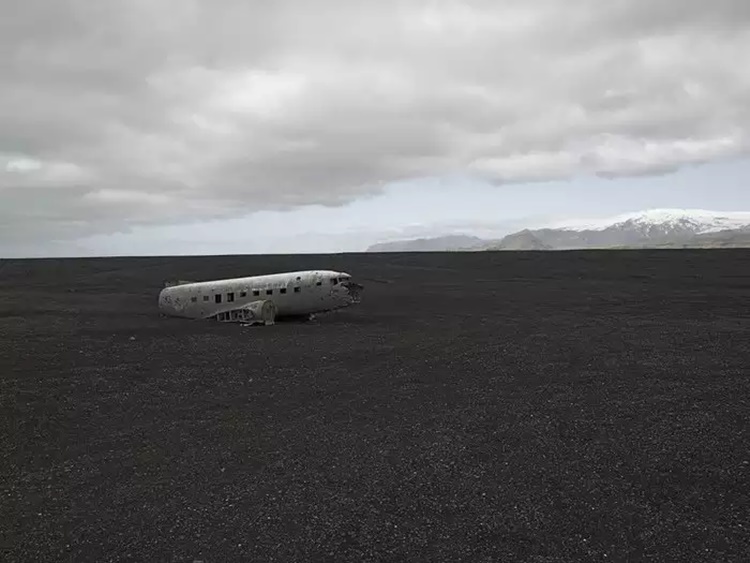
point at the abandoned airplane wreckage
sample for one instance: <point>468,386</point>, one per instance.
<point>260,300</point>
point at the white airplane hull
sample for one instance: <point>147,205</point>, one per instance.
<point>244,299</point>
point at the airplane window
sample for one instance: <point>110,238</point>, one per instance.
<point>230,297</point>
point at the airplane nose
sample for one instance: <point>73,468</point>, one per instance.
<point>354,290</point>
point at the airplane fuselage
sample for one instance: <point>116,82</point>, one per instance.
<point>292,294</point>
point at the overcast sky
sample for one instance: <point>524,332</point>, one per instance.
<point>179,126</point>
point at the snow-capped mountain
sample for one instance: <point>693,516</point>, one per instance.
<point>697,221</point>
<point>650,228</point>
<point>655,227</point>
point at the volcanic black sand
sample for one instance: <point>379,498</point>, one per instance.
<point>566,406</point>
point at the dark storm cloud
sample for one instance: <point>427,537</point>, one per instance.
<point>158,111</point>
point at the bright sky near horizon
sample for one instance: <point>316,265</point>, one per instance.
<point>236,126</point>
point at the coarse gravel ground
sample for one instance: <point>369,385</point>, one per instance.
<point>491,406</point>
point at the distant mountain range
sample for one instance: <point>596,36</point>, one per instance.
<point>655,228</point>
<point>436,244</point>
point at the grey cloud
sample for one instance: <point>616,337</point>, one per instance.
<point>161,111</point>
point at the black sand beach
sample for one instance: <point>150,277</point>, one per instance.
<point>543,407</point>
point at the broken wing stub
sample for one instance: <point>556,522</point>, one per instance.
<point>261,312</point>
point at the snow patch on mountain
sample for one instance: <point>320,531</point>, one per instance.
<point>698,221</point>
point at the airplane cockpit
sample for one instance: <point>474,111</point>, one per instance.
<point>353,289</point>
